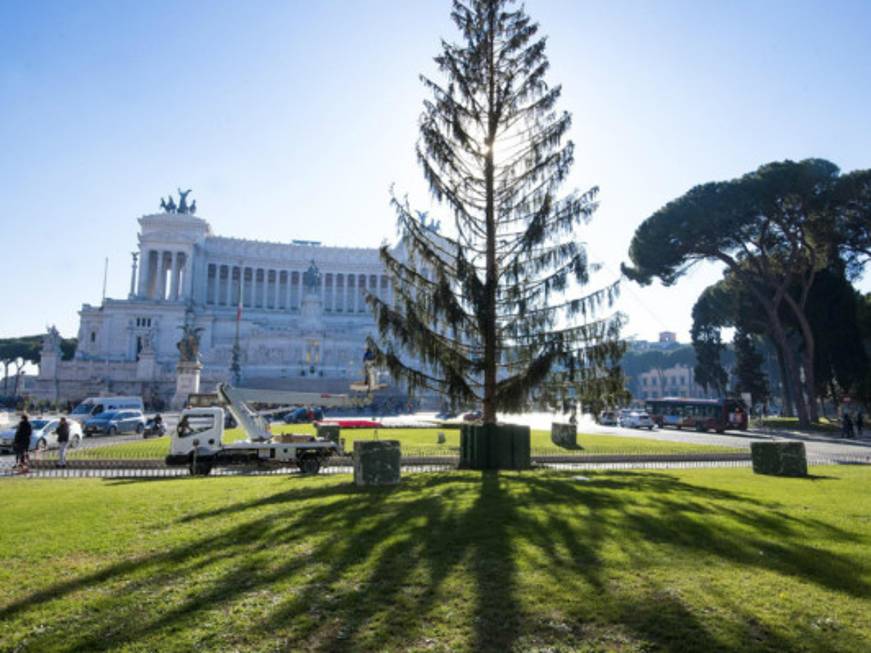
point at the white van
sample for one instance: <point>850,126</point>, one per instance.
<point>95,405</point>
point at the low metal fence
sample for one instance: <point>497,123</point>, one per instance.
<point>45,466</point>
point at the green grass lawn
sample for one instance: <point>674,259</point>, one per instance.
<point>417,442</point>
<point>823,427</point>
<point>693,560</point>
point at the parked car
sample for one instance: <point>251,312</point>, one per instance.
<point>607,418</point>
<point>114,422</point>
<point>474,416</point>
<point>43,436</point>
<point>637,420</point>
<point>303,415</point>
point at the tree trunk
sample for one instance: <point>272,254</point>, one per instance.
<point>490,353</point>
<point>792,368</point>
<point>786,403</point>
<point>779,336</point>
<point>808,358</point>
<point>835,399</point>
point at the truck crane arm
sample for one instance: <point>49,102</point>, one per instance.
<point>236,401</point>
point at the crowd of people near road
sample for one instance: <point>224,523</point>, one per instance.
<point>22,443</point>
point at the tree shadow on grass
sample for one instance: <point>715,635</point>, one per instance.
<point>329,566</point>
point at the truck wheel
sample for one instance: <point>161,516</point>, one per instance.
<point>75,441</point>
<point>112,430</point>
<point>42,445</point>
<point>310,465</point>
<point>200,468</point>
<point>140,429</point>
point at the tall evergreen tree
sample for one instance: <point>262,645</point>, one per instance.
<point>705,333</point>
<point>495,312</point>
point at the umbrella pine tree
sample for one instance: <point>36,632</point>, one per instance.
<point>495,313</point>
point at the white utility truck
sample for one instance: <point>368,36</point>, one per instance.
<point>197,441</point>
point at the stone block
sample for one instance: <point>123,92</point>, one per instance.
<point>376,462</point>
<point>564,435</point>
<point>779,458</point>
<point>494,446</point>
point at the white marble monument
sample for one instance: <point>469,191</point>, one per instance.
<point>292,334</point>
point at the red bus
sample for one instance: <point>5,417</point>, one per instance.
<point>699,414</point>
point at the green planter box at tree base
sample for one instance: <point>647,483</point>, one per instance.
<point>494,446</point>
<point>376,462</point>
<point>779,458</point>
<point>564,435</point>
<point>329,432</point>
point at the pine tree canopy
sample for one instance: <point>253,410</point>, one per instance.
<point>496,313</point>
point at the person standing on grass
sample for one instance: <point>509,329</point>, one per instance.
<point>22,442</point>
<point>63,440</point>
<point>847,425</point>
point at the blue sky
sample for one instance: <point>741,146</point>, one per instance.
<point>292,120</point>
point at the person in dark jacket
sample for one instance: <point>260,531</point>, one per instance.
<point>22,442</point>
<point>860,424</point>
<point>63,440</point>
<point>847,425</point>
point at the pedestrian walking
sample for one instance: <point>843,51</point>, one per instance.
<point>22,442</point>
<point>847,425</point>
<point>63,440</point>
<point>860,424</point>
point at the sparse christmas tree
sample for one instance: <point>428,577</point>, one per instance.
<point>495,312</point>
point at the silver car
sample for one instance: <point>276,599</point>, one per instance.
<point>637,420</point>
<point>43,436</point>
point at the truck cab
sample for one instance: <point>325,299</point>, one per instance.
<point>198,429</point>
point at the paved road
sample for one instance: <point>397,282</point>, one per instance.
<point>815,445</point>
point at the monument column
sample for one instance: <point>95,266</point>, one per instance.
<point>142,284</point>
<point>132,294</point>
<point>153,270</point>
<point>161,280</point>
<point>173,277</point>
<point>186,268</point>
<point>276,289</point>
